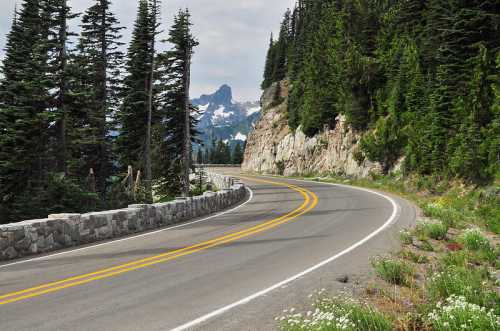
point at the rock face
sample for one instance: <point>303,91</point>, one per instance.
<point>68,230</point>
<point>273,148</point>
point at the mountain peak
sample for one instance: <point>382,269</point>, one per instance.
<point>224,95</point>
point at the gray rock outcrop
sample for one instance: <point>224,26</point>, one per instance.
<point>273,148</point>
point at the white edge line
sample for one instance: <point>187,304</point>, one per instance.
<point>246,300</point>
<point>48,257</point>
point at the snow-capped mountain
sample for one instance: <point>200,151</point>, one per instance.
<point>222,118</point>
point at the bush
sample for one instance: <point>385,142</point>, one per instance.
<point>406,237</point>
<point>337,314</point>
<point>458,314</point>
<point>57,194</point>
<point>393,271</point>
<point>449,216</point>
<point>416,258</point>
<point>460,281</point>
<point>474,240</point>
<point>432,229</point>
<point>459,259</point>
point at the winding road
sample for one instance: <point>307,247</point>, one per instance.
<point>233,271</point>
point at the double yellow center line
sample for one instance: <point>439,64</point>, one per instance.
<point>310,201</point>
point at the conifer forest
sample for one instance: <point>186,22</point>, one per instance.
<point>419,78</point>
<point>84,126</point>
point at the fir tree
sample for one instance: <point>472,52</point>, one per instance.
<point>237,157</point>
<point>24,121</point>
<point>177,122</point>
<point>95,91</point>
<point>133,115</point>
<point>55,15</point>
<point>269,66</point>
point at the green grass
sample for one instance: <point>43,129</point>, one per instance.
<point>393,271</point>
<point>458,259</point>
<point>332,314</point>
<point>460,293</point>
<point>474,240</point>
<point>406,237</point>
<point>414,257</point>
<point>452,204</point>
<point>433,229</point>
<point>455,313</point>
<point>426,245</point>
<point>470,283</point>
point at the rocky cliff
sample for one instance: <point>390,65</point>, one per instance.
<point>275,149</point>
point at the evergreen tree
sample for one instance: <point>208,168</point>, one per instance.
<point>177,115</point>
<point>133,115</point>
<point>237,157</point>
<point>24,122</point>
<point>95,92</point>
<point>55,17</point>
<point>269,67</point>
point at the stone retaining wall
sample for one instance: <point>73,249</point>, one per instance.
<point>220,181</point>
<point>69,230</point>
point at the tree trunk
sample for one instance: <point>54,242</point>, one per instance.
<point>147,153</point>
<point>62,160</point>
<point>187,119</point>
<point>103,77</point>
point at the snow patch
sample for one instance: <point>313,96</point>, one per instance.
<point>204,108</point>
<point>221,113</point>
<point>240,136</point>
<point>253,110</point>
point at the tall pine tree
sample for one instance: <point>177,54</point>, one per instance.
<point>133,114</point>
<point>95,72</point>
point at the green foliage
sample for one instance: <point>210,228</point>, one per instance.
<point>62,107</point>
<point>406,237</point>
<point>458,314</point>
<point>94,92</point>
<point>433,229</point>
<point>337,313</point>
<point>172,72</point>
<point>384,144</point>
<point>55,195</point>
<point>393,271</point>
<point>133,114</point>
<point>237,155</point>
<point>474,240</point>
<point>462,281</point>
<point>396,69</point>
<point>414,257</point>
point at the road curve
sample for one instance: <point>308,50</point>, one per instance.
<point>234,271</point>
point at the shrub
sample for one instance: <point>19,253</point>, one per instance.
<point>337,314</point>
<point>406,237</point>
<point>474,240</point>
<point>458,258</point>
<point>393,271</point>
<point>432,229</point>
<point>448,216</point>
<point>469,283</point>
<point>414,257</point>
<point>426,246</point>
<point>458,314</point>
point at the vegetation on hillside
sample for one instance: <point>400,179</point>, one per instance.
<point>419,78</point>
<point>74,117</point>
<point>220,152</point>
<point>445,276</point>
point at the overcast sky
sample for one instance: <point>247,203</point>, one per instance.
<point>233,36</point>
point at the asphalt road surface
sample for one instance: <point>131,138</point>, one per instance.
<point>234,271</point>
